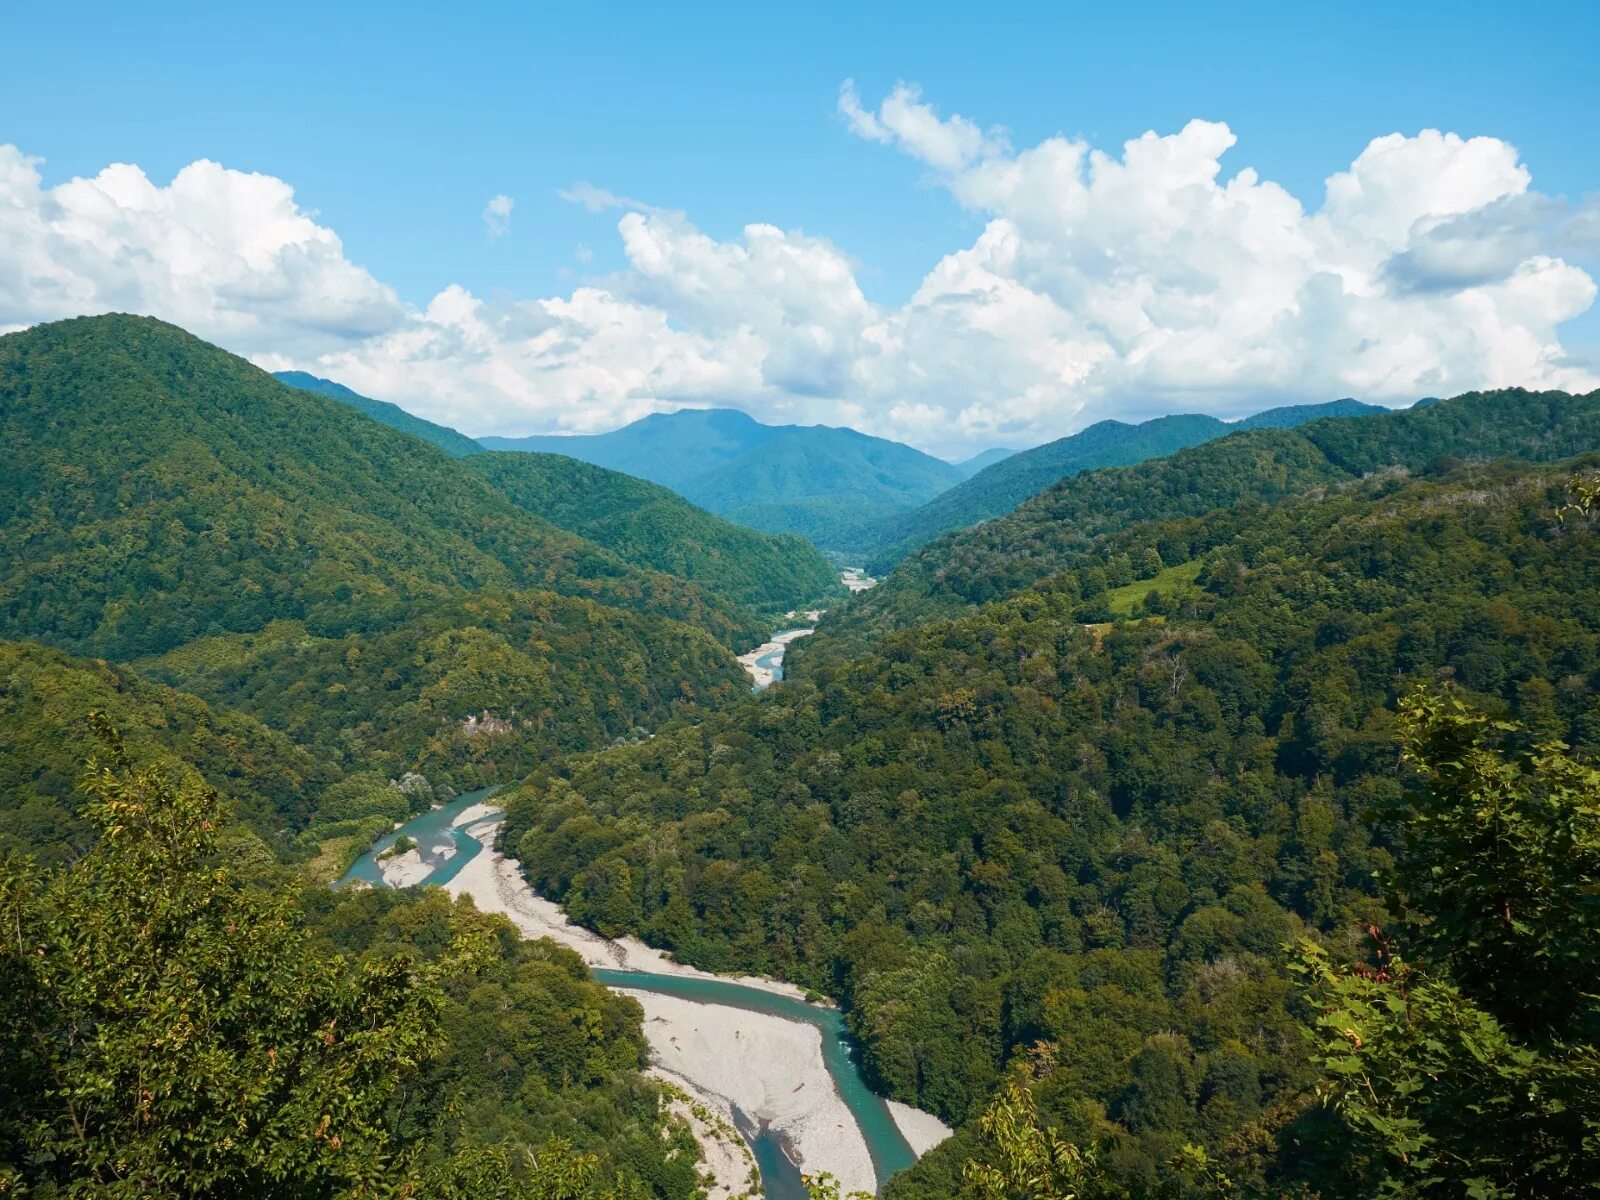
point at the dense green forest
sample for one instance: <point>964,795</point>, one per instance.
<point>159,489</point>
<point>1026,826</point>
<point>540,673</point>
<point>801,479</point>
<point>174,1025</point>
<point>274,784</point>
<point>1225,825</point>
<point>651,526</point>
<point>457,445</point>
<point>1063,525</point>
<point>1004,485</point>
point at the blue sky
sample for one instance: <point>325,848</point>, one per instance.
<point>395,123</point>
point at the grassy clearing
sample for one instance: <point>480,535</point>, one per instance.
<point>1173,583</point>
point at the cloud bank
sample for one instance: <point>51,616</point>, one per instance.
<point>1101,285</point>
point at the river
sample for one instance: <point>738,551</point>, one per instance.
<point>446,848</point>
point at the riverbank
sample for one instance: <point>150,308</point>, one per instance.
<point>771,1068</point>
<point>496,885</point>
<point>764,662</point>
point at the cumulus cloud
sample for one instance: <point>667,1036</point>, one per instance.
<point>224,253</point>
<point>1101,283</point>
<point>497,214</point>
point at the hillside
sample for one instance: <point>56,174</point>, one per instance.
<point>1053,529</point>
<point>971,466</point>
<point>457,445</point>
<point>1001,487</point>
<point>1006,829</point>
<point>666,448</point>
<point>45,698</point>
<point>778,478</point>
<point>159,489</point>
<point>810,480</point>
<point>652,526</point>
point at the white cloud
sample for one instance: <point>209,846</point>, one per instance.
<point>595,199</point>
<point>1101,284</point>
<point>497,214</point>
<point>224,253</point>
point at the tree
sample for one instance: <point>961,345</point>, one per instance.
<point>1022,1158</point>
<point>1473,1070</point>
<point>166,1031</point>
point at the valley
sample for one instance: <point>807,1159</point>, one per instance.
<point>778,1069</point>
<point>585,838</point>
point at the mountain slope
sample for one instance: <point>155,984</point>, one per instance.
<point>666,448</point>
<point>809,480</point>
<point>1001,487</point>
<point>1066,521</point>
<point>971,466</point>
<point>45,698</point>
<point>1004,830</point>
<point>457,445</point>
<point>159,489</point>
<point>653,526</point>
<point>778,478</point>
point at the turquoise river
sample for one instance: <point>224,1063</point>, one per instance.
<point>446,849</point>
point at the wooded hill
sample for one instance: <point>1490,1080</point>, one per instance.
<point>1009,827</point>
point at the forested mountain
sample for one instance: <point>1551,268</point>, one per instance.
<point>159,489</point>
<point>457,445</point>
<point>1020,827</point>
<point>810,480</point>
<point>1002,486</point>
<point>666,448</point>
<point>971,466</point>
<point>371,601</point>
<point>470,691</point>
<point>779,478</point>
<point>1060,525</point>
<point>651,526</point>
<point>273,784</point>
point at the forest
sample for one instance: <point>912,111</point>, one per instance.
<point>1223,825</point>
<point>1029,826</point>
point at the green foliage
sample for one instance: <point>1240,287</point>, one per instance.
<point>1000,830</point>
<point>1472,1068</point>
<point>1001,487</point>
<point>1066,525</point>
<point>456,445</point>
<point>484,687</point>
<point>1021,1158</point>
<point>650,526</point>
<point>45,699</point>
<point>166,1031</point>
<point>158,490</point>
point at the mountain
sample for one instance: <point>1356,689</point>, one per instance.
<point>778,478</point>
<point>666,448</point>
<point>971,466</point>
<point>1002,486</point>
<point>1068,521</point>
<point>1008,836</point>
<point>457,445</point>
<point>45,696</point>
<point>159,489</point>
<point>652,526</point>
<point>278,553</point>
<point>810,480</point>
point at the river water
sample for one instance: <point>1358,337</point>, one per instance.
<point>447,849</point>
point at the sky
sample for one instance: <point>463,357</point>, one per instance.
<point>958,226</point>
